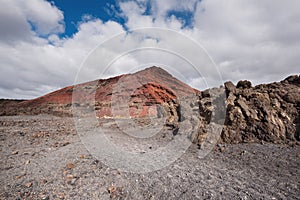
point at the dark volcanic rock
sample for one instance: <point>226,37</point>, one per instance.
<point>230,87</point>
<point>244,84</point>
<point>294,79</point>
<point>268,112</point>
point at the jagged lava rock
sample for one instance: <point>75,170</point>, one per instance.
<point>268,112</point>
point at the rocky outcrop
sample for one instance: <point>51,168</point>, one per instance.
<point>267,112</point>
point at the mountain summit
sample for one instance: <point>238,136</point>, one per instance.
<point>143,89</point>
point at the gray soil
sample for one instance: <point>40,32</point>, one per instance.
<point>42,157</point>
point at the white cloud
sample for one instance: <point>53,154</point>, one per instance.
<point>161,8</point>
<point>46,17</point>
<point>255,40</point>
<point>18,16</point>
<point>32,65</point>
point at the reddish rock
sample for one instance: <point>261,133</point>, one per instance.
<point>144,89</point>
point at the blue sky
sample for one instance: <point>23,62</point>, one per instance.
<point>44,42</point>
<point>75,10</point>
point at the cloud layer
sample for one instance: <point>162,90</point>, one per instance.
<point>251,39</point>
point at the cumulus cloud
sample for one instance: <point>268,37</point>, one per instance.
<point>255,40</point>
<point>23,19</point>
<point>32,64</point>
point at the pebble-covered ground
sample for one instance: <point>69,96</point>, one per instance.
<point>42,157</point>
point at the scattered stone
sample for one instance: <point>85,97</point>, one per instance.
<point>115,192</point>
<point>65,144</point>
<point>70,166</point>
<point>29,184</point>
<point>82,156</point>
<point>43,181</point>
<point>187,177</point>
<point>111,189</point>
<point>69,176</point>
<point>222,149</point>
<point>14,152</point>
<point>44,197</point>
<point>22,133</point>
<point>71,179</point>
<point>61,195</point>
<point>20,176</point>
<point>39,134</point>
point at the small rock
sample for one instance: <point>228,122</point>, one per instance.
<point>175,131</point>
<point>69,177</point>
<point>29,184</point>
<point>22,133</point>
<point>72,181</point>
<point>65,144</point>
<point>44,196</point>
<point>222,149</point>
<point>43,181</point>
<point>82,156</point>
<point>70,165</point>
<point>111,189</point>
<point>27,162</point>
<point>61,195</point>
<point>14,152</point>
<point>115,192</point>
<point>20,176</point>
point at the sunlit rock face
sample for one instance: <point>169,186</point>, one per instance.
<point>266,112</point>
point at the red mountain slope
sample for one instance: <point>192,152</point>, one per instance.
<point>142,90</point>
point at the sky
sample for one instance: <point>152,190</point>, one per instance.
<point>47,45</point>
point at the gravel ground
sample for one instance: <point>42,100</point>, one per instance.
<point>42,157</point>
